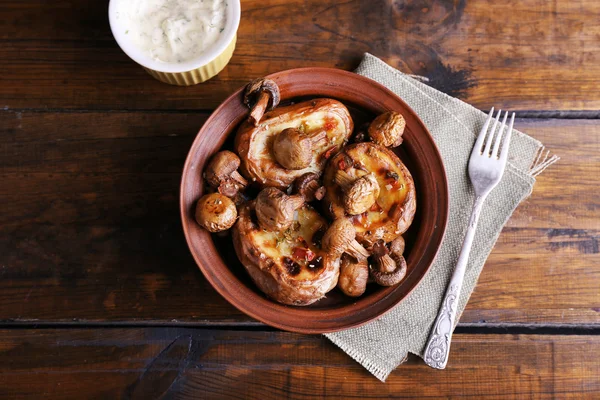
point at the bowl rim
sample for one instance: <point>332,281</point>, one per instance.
<point>442,193</point>
<point>214,51</point>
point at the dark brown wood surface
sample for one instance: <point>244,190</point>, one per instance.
<point>91,152</point>
<point>520,54</point>
<point>216,364</point>
<point>91,230</point>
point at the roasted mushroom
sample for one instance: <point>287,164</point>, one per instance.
<point>290,266</point>
<point>381,257</point>
<point>359,194</point>
<point>397,253</point>
<point>215,212</point>
<point>261,95</point>
<point>340,238</point>
<point>293,148</point>
<point>397,246</point>
<point>387,270</point>
<point>387,129</point>
<point>275,210</point>
<point>309,187</point>
<point>395,208</point>
<point>221,173</point>
<point>353,276</point>
<point>254,144</point>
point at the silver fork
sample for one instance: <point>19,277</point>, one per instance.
<point>486,168</point>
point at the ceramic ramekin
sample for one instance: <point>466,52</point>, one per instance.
<point>198,70</point>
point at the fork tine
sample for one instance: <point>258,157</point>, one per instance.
<point>499,136</point>
<point>481,137</point>
<point>490,139</point>
<point>506,143</point>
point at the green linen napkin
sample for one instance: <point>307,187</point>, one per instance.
<point>382,345</point>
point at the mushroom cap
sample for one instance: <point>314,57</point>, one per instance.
<point>361,195</point>
<point>393,278</point>
<point>387,129</point>
<point>339,236</point>
<point>292,149</point>
<point>397,246</point>
<point>275,210</point>
<point>353,276</point>
<point>215,212</point>
<point>258,86</point>
<point>220,167</point>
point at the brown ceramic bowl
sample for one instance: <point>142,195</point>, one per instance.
<point>365,99</point>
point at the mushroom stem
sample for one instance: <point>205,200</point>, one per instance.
<point>357,251</point>
<point>384,262</point>
<point>387,264</point>
<point>295,201</point>
<point>261,95</point>
<point>259,108</point>
<point>343,179</point>
<point>236,176</point>
<point>340,238</point>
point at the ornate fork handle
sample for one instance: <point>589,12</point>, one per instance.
<point>438,346</point>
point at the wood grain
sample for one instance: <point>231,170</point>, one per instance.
<point>551,241</point>
<point>519,54</point>
<point>91,154</point>
<point>90,227</point>
<point>185,363</point>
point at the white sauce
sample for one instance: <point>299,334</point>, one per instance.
<point>173,31</point>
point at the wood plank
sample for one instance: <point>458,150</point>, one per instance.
<point>562,197</point>
<point>184,363</point>
<point>543,268</point>
<point>61,54</point>
<point>90,229</point>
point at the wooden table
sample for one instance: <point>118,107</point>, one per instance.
<point>99,296</point>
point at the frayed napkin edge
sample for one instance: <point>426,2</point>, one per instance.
<point>364,361</point>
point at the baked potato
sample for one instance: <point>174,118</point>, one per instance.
<point>288,266</point>
<point>254,144</point>
<point>395,204</point>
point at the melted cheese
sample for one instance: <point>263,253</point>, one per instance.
<point>277,245</point>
